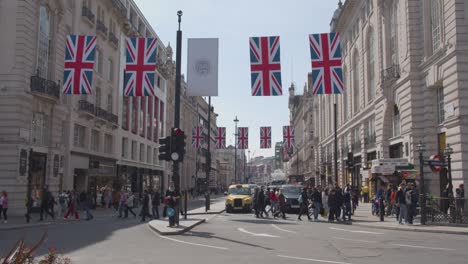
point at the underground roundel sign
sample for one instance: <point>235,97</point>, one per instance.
<point>433,167</point>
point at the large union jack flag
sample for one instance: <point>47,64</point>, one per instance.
<point>265,66</point>
<point>197,137</point>
<point>79,64</point>
<point>327,73</point>
<point>242,137</point>
<point>288,137</point>
<point>140,67</point>
<point>265,137</point>
<point>220,138</point>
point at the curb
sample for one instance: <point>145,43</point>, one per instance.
<point>413,229</point>
<point>178,232</point>
<point>24,226</point>
<point>208,213</point>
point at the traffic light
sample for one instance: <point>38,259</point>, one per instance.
<point>165,148</point>
<point>178,144</point>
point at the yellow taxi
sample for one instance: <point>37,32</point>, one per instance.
<point>239,198</point>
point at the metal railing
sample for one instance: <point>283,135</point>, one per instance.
<point>86,106</point>
<point>86,12</point>
<point>391,73</point>
<point>443,211</point>
<point>45,87</point>
<point>100,27</point>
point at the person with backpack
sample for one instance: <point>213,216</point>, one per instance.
<point>347,203</point>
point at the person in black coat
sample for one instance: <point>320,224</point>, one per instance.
<point>172,197</point>
<point>45,202</point>
<point>261,203</point>
<point>347,203</point>
<point>332,203</point>
<point>339,201</point>
<point>304,205</point>
<point>155,204</point>
<point>317,202</point>
<point>145,206</point>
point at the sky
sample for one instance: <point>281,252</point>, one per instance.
<point>233,22</point>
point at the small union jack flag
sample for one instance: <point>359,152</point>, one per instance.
<point>327,73</point>
<point>265,66</point>
<point>140,67</point>
<point>220,138</point>
<point>265,137</point>
<point>288,137</point>
<point>79,64</point>
<point>197,137</point>
<point>242,137</point>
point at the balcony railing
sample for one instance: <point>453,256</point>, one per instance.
<point>100,27</point>
<point>86,12</point>
<point>113,39</point>
<point>98,112</point>
<point>45,87</point>
<point>391,73</point>
<point>86,107</point>
<point>120,7</point>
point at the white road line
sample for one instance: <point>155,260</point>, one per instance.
<point>255,234</point>
<point>434,248</point>
<point>314,260</point>
<point>281,229</point>
<point>356,240</point>
<point>190,243</point>
<point>356,231</point>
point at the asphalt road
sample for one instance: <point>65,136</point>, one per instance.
<point>240,238</point>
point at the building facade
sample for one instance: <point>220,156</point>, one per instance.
<point>402,67</point>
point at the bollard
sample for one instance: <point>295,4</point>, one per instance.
<point>382,209</point>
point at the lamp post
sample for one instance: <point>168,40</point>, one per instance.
<point>421,148</point>
<point>447,153</point>
<point>235,150</point>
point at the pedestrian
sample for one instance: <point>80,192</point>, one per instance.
<point>63,203</point>
<point>122,202</point>
<point>332,204</point>
<point>317,202</point>
<point>304,205</point>
<point>347,203</point>
<point>325,202</point>
<point>409,204</point>
<point>460,199</point>
<point>28,203</point>
<point>129,204</point>
<point>146,200</point>
<point>265,201</point>
<point>85,203</point>
<point>51,205</point>
<point>4,206</point>
<point>273,202</point>
<point>339,202</point>
<point>256,202</point>
<point>172,197</point>
<point>156,201</point>
<point>281,204</point>
<point>72,206</point>
<point>401,201</point>
<point>45,203</point>
<point>392,203</point>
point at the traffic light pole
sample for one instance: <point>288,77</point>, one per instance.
<point>175,163</point>
<point>208,159</point>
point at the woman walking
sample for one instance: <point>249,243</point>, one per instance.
<point>4,206</point>
<point>129,205</point>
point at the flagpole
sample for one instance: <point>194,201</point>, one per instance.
<point>336,140</point>
<point>208,159</point>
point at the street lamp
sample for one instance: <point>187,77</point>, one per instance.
<point>447,153</point>
<point>421,148</point>
<point>235,150</point>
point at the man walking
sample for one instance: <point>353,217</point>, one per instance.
<point>145,206</point>
<point>122,202</point>
<point>130,204</point>
<point>282,204</point>
<point>156,201</point>
<point>347,203</point>
<point>317,201</point>
<point>45,202</point>
<point>401,201</point>
<point>304,205</point>
<point>172,197</point>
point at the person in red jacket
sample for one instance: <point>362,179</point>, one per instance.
<point>273,201</point>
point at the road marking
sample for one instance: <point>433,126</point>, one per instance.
<point>255,234</point>
<point>314,260</point>
<point>356,231</point>
<point>356,240</point>
<point>193,244</point>
<point>434,248</point>
<point>281,229</point>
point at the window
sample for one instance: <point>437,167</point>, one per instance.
<point>155,156</point>
<point>437,8</point>
<point>43,43</point>
<point>371,130</point>
<point>369,7</point>
<point>371,65</point>
<point>134,115</point>
<point>142,116</point>
<point>110,74</point>
<point>149,118</point>
<point>109,103</point>
<point>148,154</point>
<point>440,105</point>
<point>95,140</point>
<point>142,152</point>
<point>108,144</point>
<point>134,149</point>
<point>79,136</point>
<point>357,140</point>
<point>356,87</point>
<point>40,129</point>
<point>98,97</point>
<point>124,147</point>
<point>125,112</point>
<point>393,48</point>
<point>396,121</point>
<point>99,59</point>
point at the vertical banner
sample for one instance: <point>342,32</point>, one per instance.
<point>79,64</point>
<point>202,67</point>
<point>242,137</point>
<point>265,137</point>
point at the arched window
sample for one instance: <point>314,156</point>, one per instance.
<point>371,65</point>
<point>436,23</point>
<point>356,93</point>
<point>43,44</point>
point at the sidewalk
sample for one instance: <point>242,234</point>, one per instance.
<point>194,217</point>
<point>363,217</point>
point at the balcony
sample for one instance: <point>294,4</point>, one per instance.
<point>117,4</point>
<point>113,39</point>
<point>101,28</point>
<point>86,107</point>
<point>91,110</point>
<point>391,73</point>
<point>88,14</point>
<point>46,88</point>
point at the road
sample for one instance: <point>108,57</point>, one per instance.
<point>240,238</point>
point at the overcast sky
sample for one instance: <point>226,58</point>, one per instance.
<point>233,22</point>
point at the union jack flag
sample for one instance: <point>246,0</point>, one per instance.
<point>265,137</point>
<point>197,137</point>
<point>242,137</point>
<point>220,138</point>
<point>288,137</point>
<point>265,66</point>
<point>79,64</point>
<point>327,72</point>
<point>140,67</point>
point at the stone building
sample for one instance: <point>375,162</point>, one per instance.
<point>403,68</point>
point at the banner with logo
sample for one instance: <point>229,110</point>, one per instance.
<point>202,67</point>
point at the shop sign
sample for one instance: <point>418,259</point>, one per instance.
<point>390,162</point>
<point>23,162</point>
<point>384,169</point>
